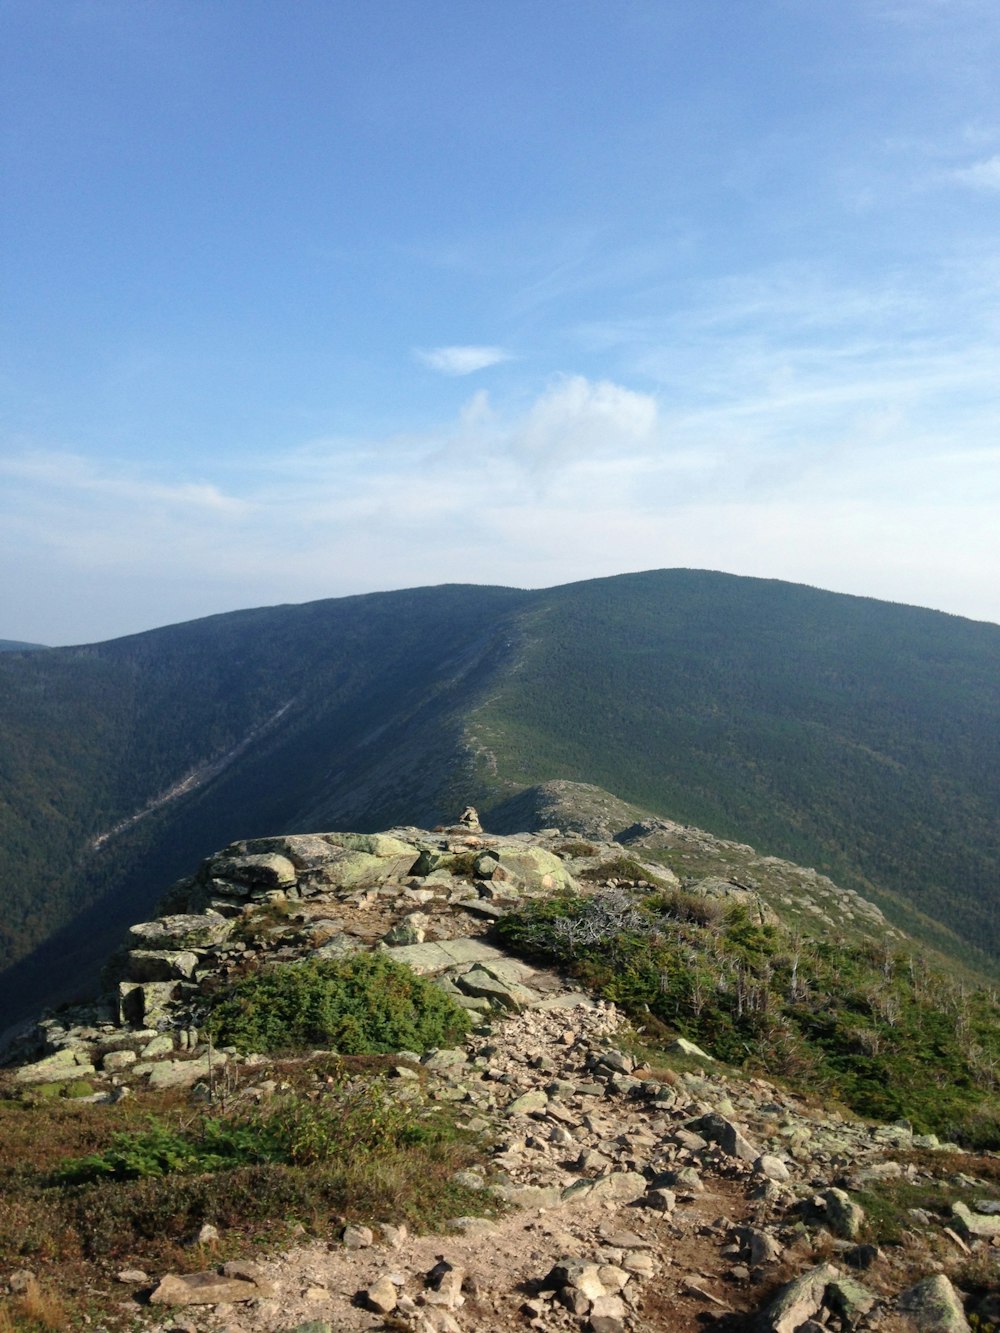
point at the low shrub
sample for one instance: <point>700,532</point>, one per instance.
<point>883,1033</point>
<point>365,1004</point>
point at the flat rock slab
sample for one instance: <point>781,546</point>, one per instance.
<point>206,1289</point>
<point>58,1068</point>
<point>180,1073</point>
<point>443,954</point>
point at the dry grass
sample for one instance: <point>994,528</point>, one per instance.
<point>33,1309</point>
<point>77,1230</point>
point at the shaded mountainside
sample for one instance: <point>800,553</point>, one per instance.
<point>16,646</point>
<point>853,735</point>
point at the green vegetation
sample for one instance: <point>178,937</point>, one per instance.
<point>82,1187</point>
<point>855,736</point>
<point>358,1005</point>
<point>355,1121</point>
<point>941,1179</point>
<point>878,1030</point>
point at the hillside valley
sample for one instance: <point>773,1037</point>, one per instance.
<point>850,735</point>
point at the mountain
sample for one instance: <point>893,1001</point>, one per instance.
<point>15,646</point>
<point>854,735</point>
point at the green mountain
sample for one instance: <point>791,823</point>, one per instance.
<point>15,646</point>
<point>850,734</point>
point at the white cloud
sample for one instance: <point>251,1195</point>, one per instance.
<point>576,417</point>
<point>68,472</point>
<point>984,175</point>
<point>462,360</point>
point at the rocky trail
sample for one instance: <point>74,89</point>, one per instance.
<point>630,1197</point>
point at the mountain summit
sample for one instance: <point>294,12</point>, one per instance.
<point>850,734</point>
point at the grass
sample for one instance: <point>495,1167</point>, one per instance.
<point>941,1180</point>
<point>36,1310</point>
<point>85,1190</point>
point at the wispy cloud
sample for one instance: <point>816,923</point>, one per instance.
<point>983,175</point>
<point>56,472</point>
<point>461,360</point>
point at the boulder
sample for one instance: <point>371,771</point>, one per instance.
<point>182,931</point>
<point>974,1226</point>
<point>535,1100</point>
<point>205,1289</point>
<point>681,1046</point>
<point>730,1138</point>
<point>536,870</point>
<point>772,1168</point>
<point>263,870</point>
<point>381,1296</point>
<point>840,1214</point>
<point>115,1061</point>
<point>145,1003</point>
<point>798,1300</point>
<point>934,1306</point>
<point>480,983</point>
<point>849,1300</point>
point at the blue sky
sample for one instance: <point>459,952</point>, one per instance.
<point>306,299</point>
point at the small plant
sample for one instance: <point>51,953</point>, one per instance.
<point>576,849</point>
<point>622,867</point>
<point>348,1120</point>
<point>365,1004</point>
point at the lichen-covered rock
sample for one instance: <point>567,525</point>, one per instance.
<point>622,1186</point>
<point>160,965</point>
<point>731,895</point>
<point>730,1138</point>
<point>840,1214</point>
<point>181,931</point>
<point>145,1003</point>
<point>974,1226</point>
<point>265,870</point>
<point>798,1300</point>
<point>65,1064</point>
<point>934,1306</point>
<point>537,870</point>
<point>381,845</point>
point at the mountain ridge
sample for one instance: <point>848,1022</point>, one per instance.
<point>854,735</point>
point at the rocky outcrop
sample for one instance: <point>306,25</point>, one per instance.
<point>637,1198</point>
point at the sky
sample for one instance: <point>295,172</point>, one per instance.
<point>299,300</point>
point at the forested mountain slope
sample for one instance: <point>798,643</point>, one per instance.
<point>853,735</point>
<point>858,736</point>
